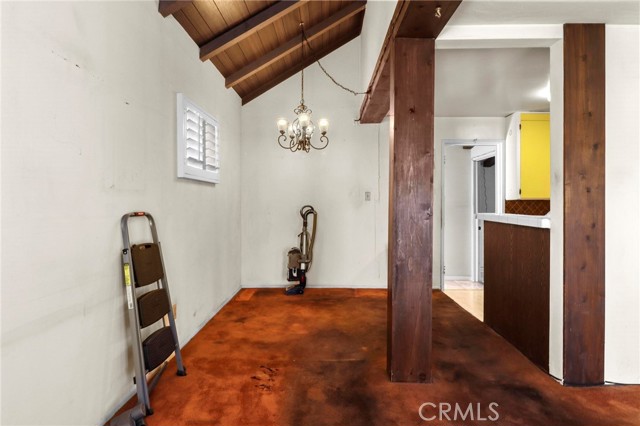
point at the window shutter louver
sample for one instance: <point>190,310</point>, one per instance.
<point>198,152</point>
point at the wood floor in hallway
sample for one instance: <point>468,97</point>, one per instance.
<point>319,359</point>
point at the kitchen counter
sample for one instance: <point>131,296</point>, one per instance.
<point>517,219</point>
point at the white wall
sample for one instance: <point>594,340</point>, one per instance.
<point>622,176</point>
<point>622,240</point>
<point>374,30</point>
<point>556,234</point>
<point>455,128</point>
<point>458,209</point>
<point>351,242</point>
<point>88,133</point>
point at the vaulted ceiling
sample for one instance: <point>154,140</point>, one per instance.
<point>256,44</point>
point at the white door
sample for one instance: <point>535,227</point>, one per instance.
<point>484,183</point>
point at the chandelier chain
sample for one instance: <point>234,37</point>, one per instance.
<point>304,36</point>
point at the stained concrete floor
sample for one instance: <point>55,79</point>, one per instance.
<point>319,359</point>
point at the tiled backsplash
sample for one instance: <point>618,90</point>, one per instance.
<point>528,207</point>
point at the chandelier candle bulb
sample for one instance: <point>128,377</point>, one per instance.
<point>282,125</point>
<point>304,119</point>
<point>323,125</point>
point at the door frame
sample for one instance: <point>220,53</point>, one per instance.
<point>500,191</point>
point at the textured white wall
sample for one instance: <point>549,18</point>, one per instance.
<point>350,248</point>
<point>622,240</point>
<point>88,133</point>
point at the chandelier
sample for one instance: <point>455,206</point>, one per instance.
<point>298,135</point>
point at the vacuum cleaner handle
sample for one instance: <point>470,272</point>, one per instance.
<point>306,211</point>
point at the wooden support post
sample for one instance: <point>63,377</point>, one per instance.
<point>584,203</point>
<point>411,210</point>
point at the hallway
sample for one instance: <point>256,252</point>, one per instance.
<point>319,359</point>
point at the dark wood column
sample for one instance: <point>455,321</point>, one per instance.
<point>411,209</point>
<point>584,203</point>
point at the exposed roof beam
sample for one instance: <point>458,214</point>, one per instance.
<point>376,104</point>
<point>246,28</point>
<point>294,43</point>
<point>169,7</point>
<point>411,19</point>
<point>308,61</point>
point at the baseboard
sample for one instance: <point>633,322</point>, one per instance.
<point>456,278</point>
<point>183,343</point>
<point>283,285</point>
<point>210,317</point>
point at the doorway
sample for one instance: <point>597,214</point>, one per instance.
<point>484,201</point>
<point>471,185</point>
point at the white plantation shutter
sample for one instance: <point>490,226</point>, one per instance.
<point>198,149</point>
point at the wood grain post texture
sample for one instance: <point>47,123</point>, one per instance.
<point>411,210</point>
<point>584,203</point>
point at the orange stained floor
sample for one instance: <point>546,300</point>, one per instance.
<point>319,359</point>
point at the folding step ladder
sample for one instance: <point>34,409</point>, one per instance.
<point>142,265</point>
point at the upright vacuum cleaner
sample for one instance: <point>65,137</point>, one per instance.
<point>300,258</point>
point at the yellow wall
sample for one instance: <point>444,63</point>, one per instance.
<point>535,157</point>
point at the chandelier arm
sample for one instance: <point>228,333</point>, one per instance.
<point>282,138</point>
<point>294,146</point>
<point>323,139</point>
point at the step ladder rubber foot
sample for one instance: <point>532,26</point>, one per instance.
<point>149,411</point>
<point>182,372</point>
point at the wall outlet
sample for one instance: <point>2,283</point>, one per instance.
<point>175,311</point>
<point>367,196</point>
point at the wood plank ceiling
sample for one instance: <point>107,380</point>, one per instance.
<point>255,44</point>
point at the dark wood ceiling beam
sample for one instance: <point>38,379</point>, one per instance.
<point>169,7</point>
<point>294,43</point>
<point>308,61</point>
<point>248,27</point>
<point>411,19</point>
<point>375,104</point>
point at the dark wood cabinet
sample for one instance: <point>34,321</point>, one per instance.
<point>516,287</point>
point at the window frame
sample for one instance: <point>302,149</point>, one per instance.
<point>186,171</point>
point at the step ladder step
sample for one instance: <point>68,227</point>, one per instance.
<point>147,263</point>
<point>157,347</point>
<point>152,306</point>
